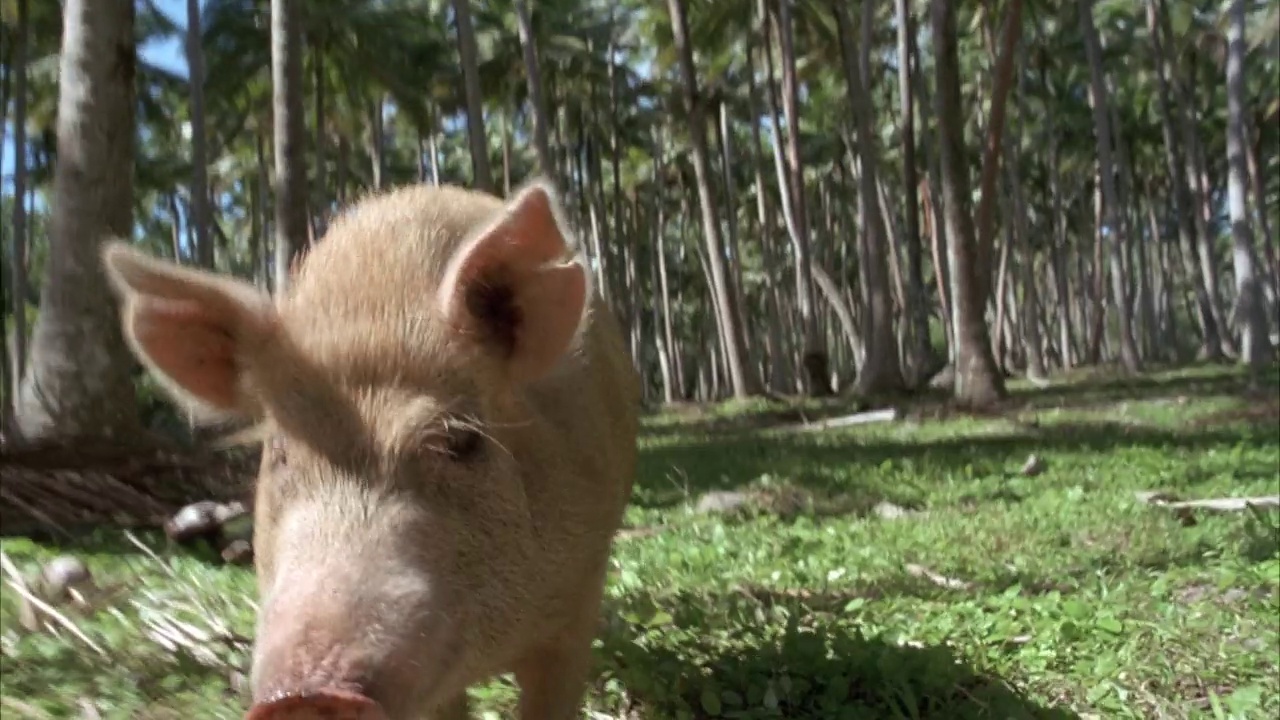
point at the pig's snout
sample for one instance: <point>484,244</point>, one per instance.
<point>318,705</point>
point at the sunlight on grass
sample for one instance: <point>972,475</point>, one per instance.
<point>986,593</point>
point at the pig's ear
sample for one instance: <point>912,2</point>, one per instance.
<point>513,287</point>
<point>196,332</point>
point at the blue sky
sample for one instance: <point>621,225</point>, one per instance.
<point>167,54</point>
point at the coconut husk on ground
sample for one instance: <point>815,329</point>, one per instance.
<point>55,490</point>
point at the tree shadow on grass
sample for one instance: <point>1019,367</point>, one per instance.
<point>745,656</point>
<point>671,471</point>
<point>1098,389</point>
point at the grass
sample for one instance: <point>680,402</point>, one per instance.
<point>997,595</point>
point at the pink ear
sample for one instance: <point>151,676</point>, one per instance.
<point>194,331</point>
<point>512,287</point>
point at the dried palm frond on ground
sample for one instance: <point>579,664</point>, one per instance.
<point>53,490</point>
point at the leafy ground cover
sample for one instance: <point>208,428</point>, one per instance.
<point>896,570</point>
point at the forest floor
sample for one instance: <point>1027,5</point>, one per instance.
<point>906,569</point>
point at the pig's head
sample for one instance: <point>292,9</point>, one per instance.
<point>393,540</point>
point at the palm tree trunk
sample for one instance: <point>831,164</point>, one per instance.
<point>533,77</point>
<point>1113,230</point>
<point>469,53</point>
<point>882,370</point>
<point>815,360</point>
<point>1211,344</point>
<point>742,382</point>
<point>321,198</point>
<point>921,350</point>
<point>290,151</point>
<point>18,266</point>
<point>977,381</point>
<point>1250,311</point>
<point>199,215</point>
<point>78,383</point>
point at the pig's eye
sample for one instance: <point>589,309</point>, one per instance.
<point>464,442</point>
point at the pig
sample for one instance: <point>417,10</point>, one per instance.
<point>448,416</point>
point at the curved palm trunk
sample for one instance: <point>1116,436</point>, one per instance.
<point>1250,312</point>
<point>742,382</point>
<point>977,381</point>
<point>816,360</point>
<point>291,169</point>
<point>78,384</point>
<point>470,56</point>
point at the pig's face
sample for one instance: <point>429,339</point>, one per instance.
<point>388,569</point>
<point>393,541</point>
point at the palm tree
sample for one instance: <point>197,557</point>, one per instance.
<point>977,380</point>
<point>1115,230</point>
<point>291,168</point>
<point>533,76</point>
<point>16,363</point>
<point>78,382</point>
<point>882,370</point>
<point>469,54</point>
<point>1250,312</point>
<point>199,179</point>
<point>743,382</point>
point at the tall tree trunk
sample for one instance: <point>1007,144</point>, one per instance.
<point>882,370</point>
<point>264,202</point>
<point>1264,225</point>
<point>1113,232</point>
<point>814,360</point>
<point>533,78</point>
<point>724,138</point>
<point>504,118</point>
<point>1010,32</point>
<point>8,386</point>
<point>1029,319</point>
<point>18,264</point>
<point>377,143</point>
<point>321,198</point>
<point>469,53</point>
<point>290,150</point>
<point>1192,155</point>
<point>777,377</point>
<point>1211,343</point>
<point>199,215</point>
<point>977,381</point>
<point>1250,311</point>
<point>937,229</point>
<point>78,383</point>
<point>743,382</point>
<point>433,155</point>
<point>922,356</point>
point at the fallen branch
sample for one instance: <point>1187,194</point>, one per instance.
<point>862,418</point>
<point>1226,504</point>
<point>921,571</point>
<point>1163,499</point>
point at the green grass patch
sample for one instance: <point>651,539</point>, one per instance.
<point>897,570</point>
